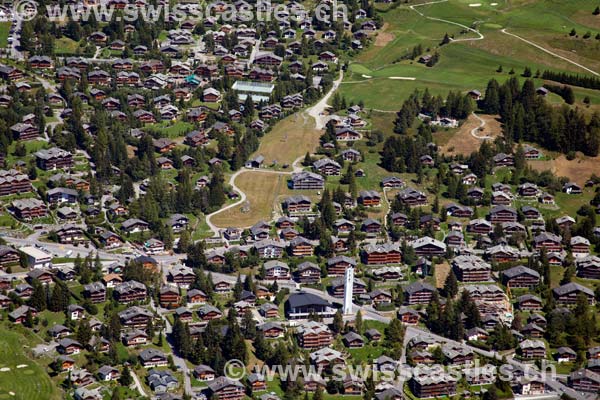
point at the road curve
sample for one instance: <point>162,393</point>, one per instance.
<point>480,35</point>
<point>315,112</point>
<point>481,125</point>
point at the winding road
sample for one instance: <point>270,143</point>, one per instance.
<point>481,125</point>
<point>316,111</point>
<point>480,35</point>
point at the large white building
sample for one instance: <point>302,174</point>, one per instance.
<point>37,258</point>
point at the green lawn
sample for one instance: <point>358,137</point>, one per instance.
<point>30,382</point>
<point>4,30</point>
<point>470,64</point>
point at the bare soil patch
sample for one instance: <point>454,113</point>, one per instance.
<point>462,142</point>
<point>383,37</point>
<point>579,170</point>
<point>440,274</point>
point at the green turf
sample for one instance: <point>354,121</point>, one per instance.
<point>27,383</point>
<point>4,30</point>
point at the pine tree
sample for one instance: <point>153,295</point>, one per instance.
<point>38,297</point>
<point>125,379</point>
<point>358,323</point>
<point>451,285</point>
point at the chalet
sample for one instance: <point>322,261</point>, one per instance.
<point>520,277</point>
<point>530,213</point>
<point>8,256</point>
<point>503,253</point>
<point>307,181</point>
<point>532,349</point>
<point>95,292</point>
<point>337,287</point>
<point>308,273</point>
<point>499,214</point>
<point>301,247</point>
<point>567,294</point>
<point>44,276</point>
<point>392,182</point>
<point>353,340</point>
<point>208,312</point>
<point>565,222</point>
<point>275,270</point>
<point>130,291</point>
<point>169,296</point>
<point>387,253</point>
<point>580,246</point>
<point>226,389</point>
<point>269,310</point>
<point>196,296</point>
<point>418,293</point>
<point>471,268</point>
<point>529,302</point>
<point>135,338</point>
<point>503,160</point>
<point>268,248</point>
<point>369,198</point>
<point>337,265</point>
<point>572,188</point>
<point>548,241</point>
<point>151,358</point>
<point>297,204</point>
<point>135,318</point>
<point>24,131</point>
<point>326,166</point>
<point>531,153</point>
<point>408,316</point>
<point>412,197</point>
<point>69,346</point>
<point>351,155</point>
<point>134,225</point>
<point>584,380</point>
<point>346,134</point>
<point>432,385</point>
<point>428,247</point>
<point>204,373</point>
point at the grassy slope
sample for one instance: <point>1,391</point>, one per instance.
<point>468,65</point>
<point>289,139</point>
<point>4,29</point>
<point>29,383</point>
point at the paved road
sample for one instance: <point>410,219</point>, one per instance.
<point>178,361</point>
<point>317,110</point>
<point>137,384</point>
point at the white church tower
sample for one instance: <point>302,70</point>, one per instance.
<point>348,289</point>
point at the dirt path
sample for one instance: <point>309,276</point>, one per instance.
<point>550,52</point>
<point>478,128</point>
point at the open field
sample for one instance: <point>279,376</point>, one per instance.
<point>579,170</point>
<point>441,273</point>
<point>469,64</point>
<point>289,139</point>
<point>463,142</point>
<point>264,191</point>
<point>4,29</point>
<point>26,383</point>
